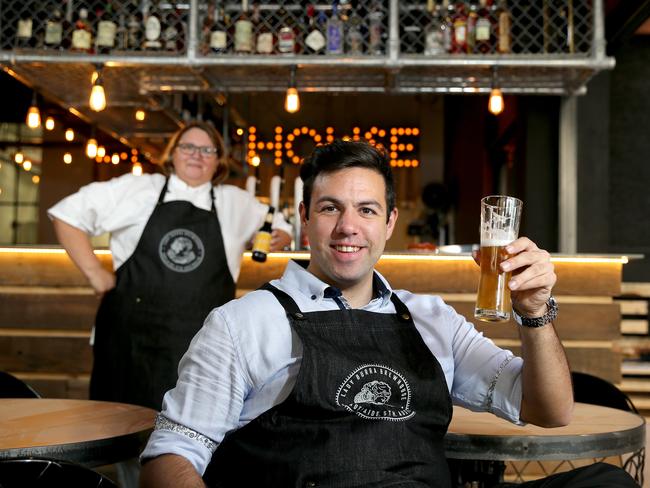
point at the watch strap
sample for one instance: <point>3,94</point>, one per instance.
<point>535,322</point>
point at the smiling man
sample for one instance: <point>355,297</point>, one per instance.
<point>328,377</point>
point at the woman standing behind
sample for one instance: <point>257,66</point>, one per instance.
<point>177,244</point>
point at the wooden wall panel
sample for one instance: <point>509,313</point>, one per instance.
<point>46,354</point>
<point>47,308</point>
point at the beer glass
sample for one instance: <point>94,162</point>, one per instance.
<point>500,216</point>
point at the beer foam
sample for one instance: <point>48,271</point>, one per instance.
<point>497,237</point>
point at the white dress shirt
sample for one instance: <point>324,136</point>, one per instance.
<point>123,205</point>
<point>246,357</point>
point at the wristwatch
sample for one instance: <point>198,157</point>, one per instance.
<point>548,317</point>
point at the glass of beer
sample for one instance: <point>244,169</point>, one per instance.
<point>500,216</point>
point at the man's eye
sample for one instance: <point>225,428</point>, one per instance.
<point>328,208</point>
<point>368,211</point>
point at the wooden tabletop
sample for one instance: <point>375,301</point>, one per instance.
<point>88,432</point>
<point>595,431</point>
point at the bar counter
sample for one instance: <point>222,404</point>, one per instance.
<point>47,309</point>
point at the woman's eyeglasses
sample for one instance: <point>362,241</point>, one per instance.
<point>204,151</point>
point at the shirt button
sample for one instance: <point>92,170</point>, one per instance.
<point>313,297</point>
<point>138,300</point>
<point>311,483</point>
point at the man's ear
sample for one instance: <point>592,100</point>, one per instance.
<point>303,214</point>
<point>390,226</point>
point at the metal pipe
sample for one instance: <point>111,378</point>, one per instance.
<point>393,30</point>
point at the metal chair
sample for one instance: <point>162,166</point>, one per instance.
<point>12,387</point>
<point>42,473</point>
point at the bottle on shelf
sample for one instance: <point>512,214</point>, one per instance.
<point>106,30</point>
<point>288,32</point>
<point>135,30</point>
<point>82,36</point>
<point>24,30</point>
<point>315,40</point>
<point>434,32</point>
<point>484,42</point>
<point>173,34</point>
<point>334,29</point>
<point>447,25</point>
<point>54,30</point>
<point>459,22</point>
<point>354,36</point>
<point>376,28</point>
<point>262,241</point>
<point>503,37</point>
<point>243,31</point>
<point>472,19</point>
<point>264,41</point>
<point>152,27</point>
<point>219,34</point>
<point>206,30</point>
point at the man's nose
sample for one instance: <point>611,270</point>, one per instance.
<point>348,223</point>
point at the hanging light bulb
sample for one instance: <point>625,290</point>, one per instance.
<point>292,100</point>
<point>33,120</point>
<point>19,157</point>
<point>36,179</point>
<point>27,165</point>
<point>495,104</point>
<point>136,169</point>
<point>115,158</point>
<point>101,151</point>
<point>69,135</point>
<point>97,99</point>
<point>91,148</point>
<point>67,158</point>
<point>140,115</point>
<point>49,123</point>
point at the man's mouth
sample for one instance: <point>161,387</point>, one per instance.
<point>347,248</point>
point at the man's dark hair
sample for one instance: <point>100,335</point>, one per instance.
<point>339,155</point>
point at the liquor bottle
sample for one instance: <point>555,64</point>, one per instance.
<point>262,241</point>
<point>206,30</point>
<point>219,34</point>
<point>106,30</point>
<point>484,29</point>
<point>24,30</point>
<point>264,41</point>
<point>244,35</point>
<point>315,40</point>
<point>288,32</point>
<point>447,13</point>
<point>354,36</point>
<point>472,19</point>
<point>54,30</point>
<point>173,34</point>
<point>135,30</point>
<point>459,21</point>
<point>376,28</point>
<point>434,31</point>
<point>546,27</point>
<point>82,36</point>
<point>151,15</point>
<point>503,28</point>
<point>334,29</point>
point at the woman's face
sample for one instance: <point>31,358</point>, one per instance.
<point>195,157</point>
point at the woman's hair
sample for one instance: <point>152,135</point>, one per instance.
<point>339,155</point>
<point>167,158</point>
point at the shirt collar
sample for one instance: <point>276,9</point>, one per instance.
<point>313,288</point>
<point>178,185</point>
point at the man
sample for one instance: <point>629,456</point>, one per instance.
<point>327,377</point>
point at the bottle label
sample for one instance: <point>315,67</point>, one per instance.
<point>286,40</point>
<point>375,32</point>
<point>262,242</point>
<point>244,36</point>
<point>218,41</point>
<point>434,43</point>
<point>315,40</point>
<point>355,42</point>
<point>81,39</point>
<point>334,39</point>
<point>24,28</point>
<point>53,33</point>
<point>265,43</point>
<point>482,29</point>
<point>460,32</point>
<point>106,33</point>
<point>152,31</point>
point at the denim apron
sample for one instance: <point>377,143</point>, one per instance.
<point>177,274</point>
<point>370,408</point>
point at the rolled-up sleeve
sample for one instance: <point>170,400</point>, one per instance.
<point>208,398</point>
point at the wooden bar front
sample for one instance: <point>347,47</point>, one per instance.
<point>47,309</point>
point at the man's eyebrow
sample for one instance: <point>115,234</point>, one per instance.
<point>363,203</point>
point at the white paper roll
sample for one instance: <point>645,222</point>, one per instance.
<point>274,192</point>
<point>251,184</point>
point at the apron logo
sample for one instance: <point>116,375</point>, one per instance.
<point>376,392</point>
<point>181,250</point>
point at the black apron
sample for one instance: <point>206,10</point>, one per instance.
<point>370,408</point>
<point>177,274</point>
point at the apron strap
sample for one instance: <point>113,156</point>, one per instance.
<point>161,197</point>
<point>213,207</point>
<point>402,310</point>
<point>285,300</point>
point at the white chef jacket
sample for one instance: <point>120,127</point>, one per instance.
<point>122,206</point>
<point>246,358</point>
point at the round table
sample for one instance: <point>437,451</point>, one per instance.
<point>89,432</point>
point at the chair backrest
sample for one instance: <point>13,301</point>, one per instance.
<point>591,389</point>
<point>12,387</point>
<point>42,473</point>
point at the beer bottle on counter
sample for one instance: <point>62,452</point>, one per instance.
<point>262,242</point>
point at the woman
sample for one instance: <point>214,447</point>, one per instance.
<point>177,242</point>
